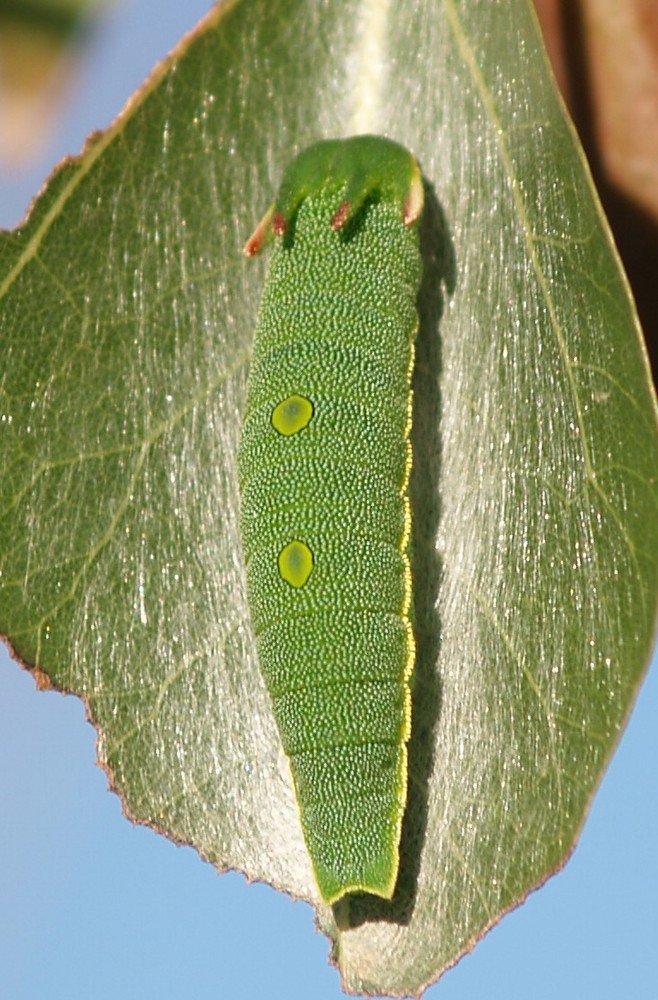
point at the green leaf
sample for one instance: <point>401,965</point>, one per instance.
<point>127,313</point>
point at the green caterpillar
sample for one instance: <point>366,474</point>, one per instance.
<point>324,466</point>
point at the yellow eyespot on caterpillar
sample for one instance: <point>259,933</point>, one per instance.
<point>296,563</point>
<point>292,415</point>
<point>324,460</point>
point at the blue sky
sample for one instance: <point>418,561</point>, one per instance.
<point>91,905</point>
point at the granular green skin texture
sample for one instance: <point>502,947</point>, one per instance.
<point>324,468</point>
